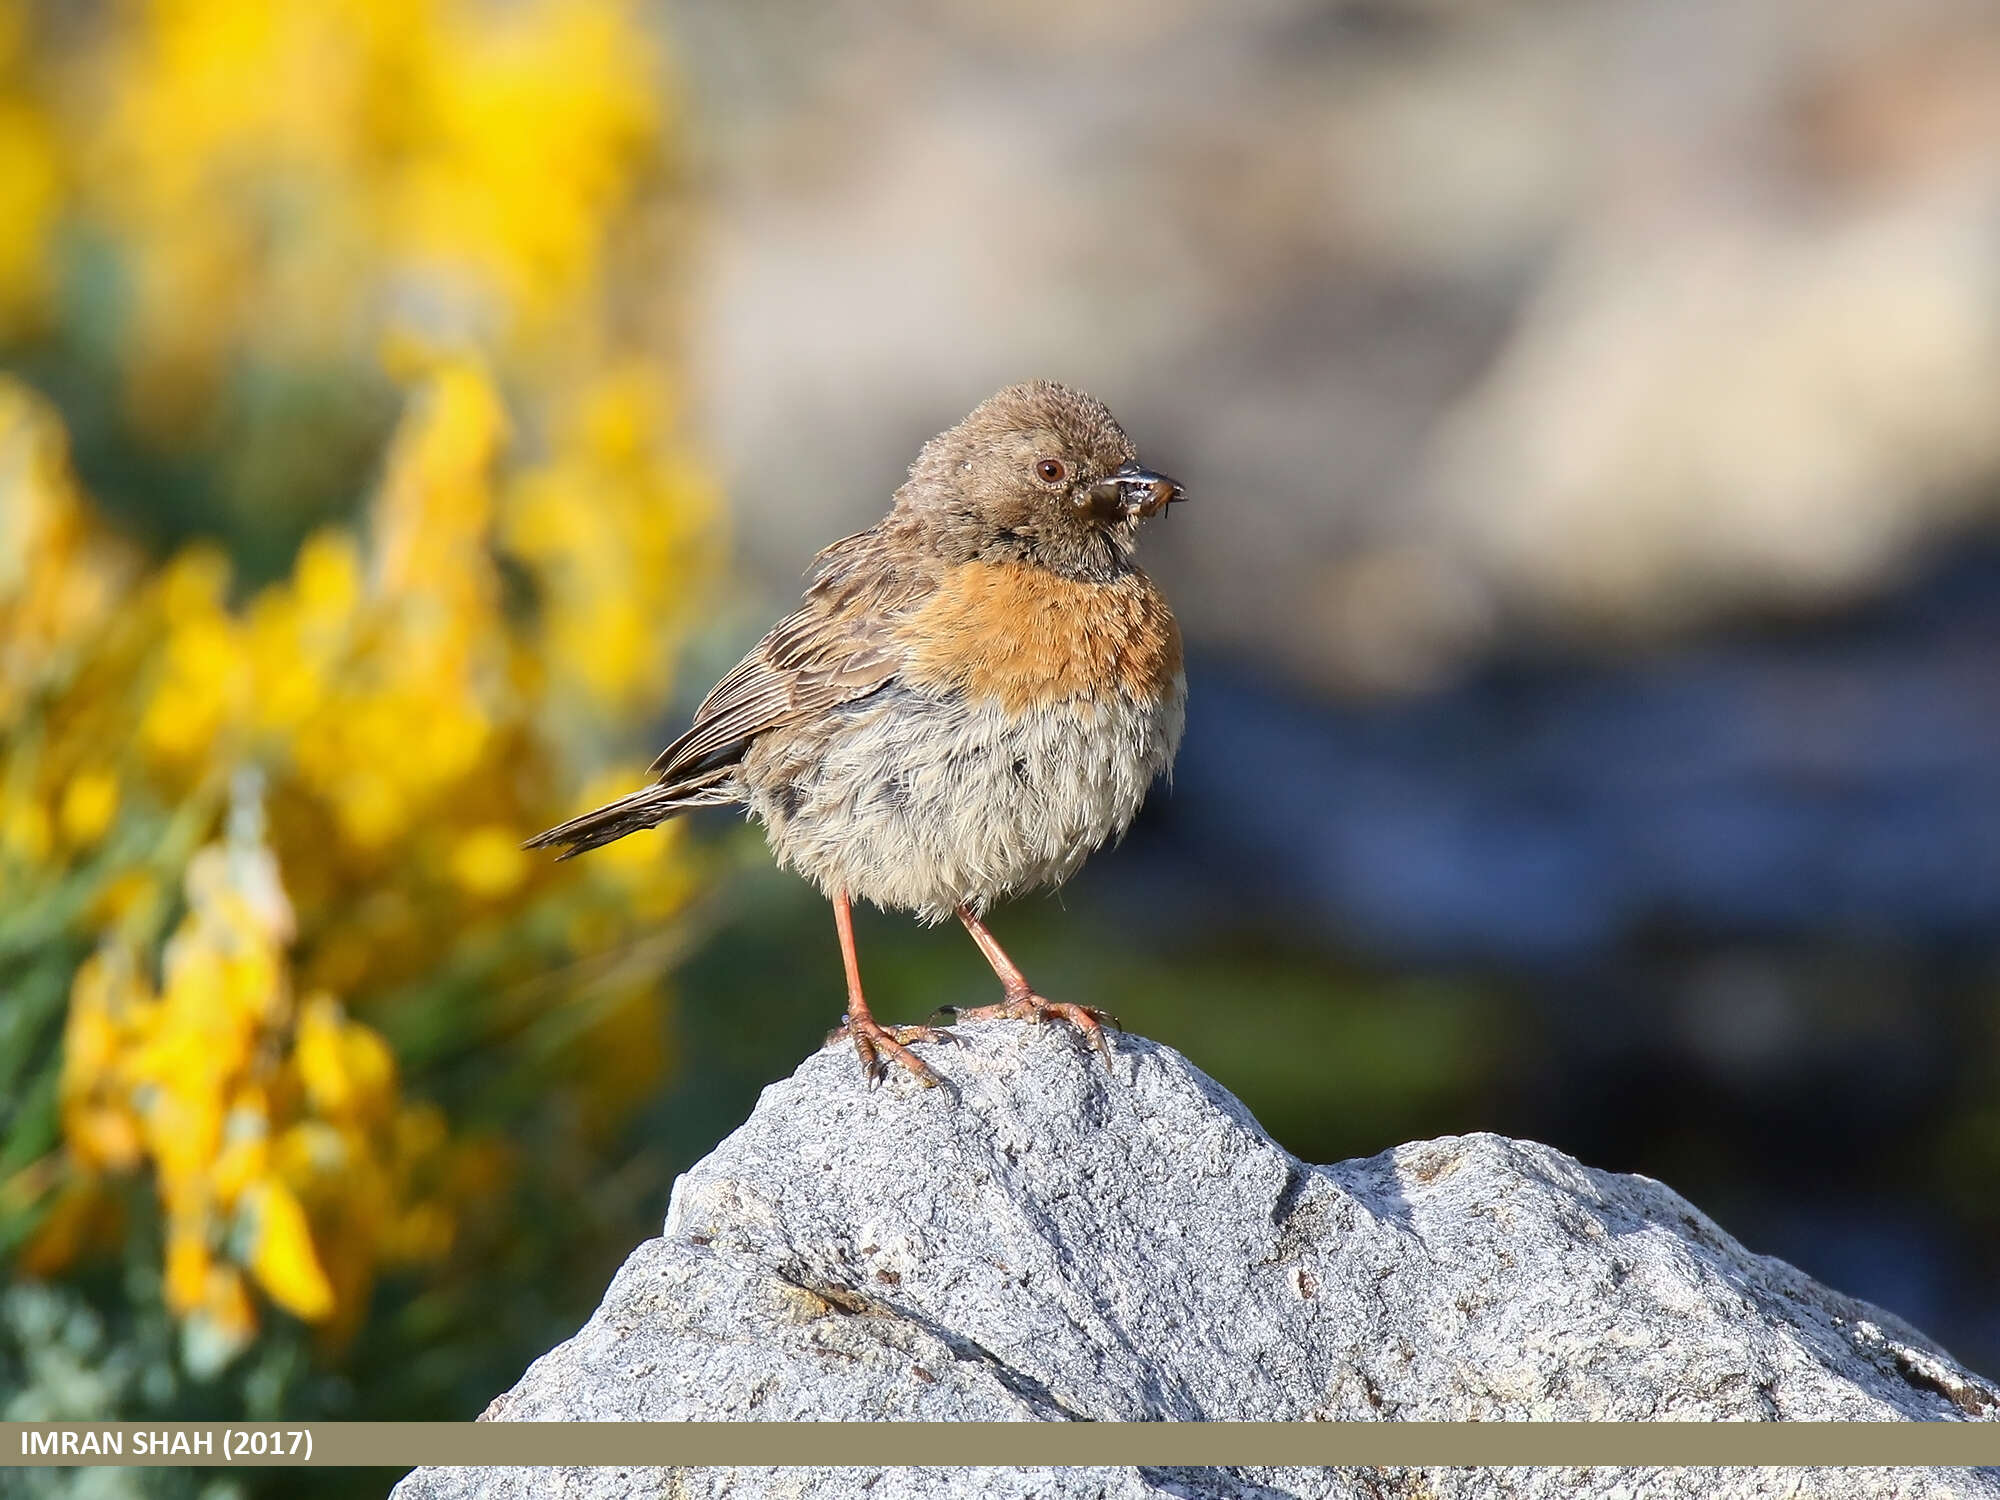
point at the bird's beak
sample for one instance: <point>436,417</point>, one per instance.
<point>1139,491</point>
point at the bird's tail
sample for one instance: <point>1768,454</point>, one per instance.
<point>648,807</point>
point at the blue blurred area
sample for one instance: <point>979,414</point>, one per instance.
<point>1838,777</point>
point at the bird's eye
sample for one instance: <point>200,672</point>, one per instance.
<point>1051,471</point>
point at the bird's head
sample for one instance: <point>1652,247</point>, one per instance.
<point>1039,473</point>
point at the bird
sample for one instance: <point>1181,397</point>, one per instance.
<point>973,695</point>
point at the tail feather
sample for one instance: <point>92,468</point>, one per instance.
<point>648,807</point>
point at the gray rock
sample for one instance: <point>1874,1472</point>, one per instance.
<point>1041,1241</point>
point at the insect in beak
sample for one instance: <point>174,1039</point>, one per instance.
<point>1136,491</point>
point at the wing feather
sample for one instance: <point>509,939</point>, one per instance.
<point>839,645</point>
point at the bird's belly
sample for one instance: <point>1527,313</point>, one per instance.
<point>924,803</point>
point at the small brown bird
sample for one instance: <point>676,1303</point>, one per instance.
<point>975,694</point>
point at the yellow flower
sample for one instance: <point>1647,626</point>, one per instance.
<point>245,1157</point>
<point>282,1257</point>
<point>205,679</point>
<point>192,586</point>
<point>347,1068</point>
<point>89,803</point>
<point>249,1112</point>
<point>488,862</point>
<point>222,1324</point>
<point>25,828</point>
<point>187,1270</point>
<point>58,577</point>
<point>105,1137</point>
<point>98,1119</point>
<point>30,183</point>
<point>276,188</point>
<point>557,95</point>
<point>618,529</point>
<point>326,579</point>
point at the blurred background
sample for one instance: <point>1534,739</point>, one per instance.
<point>410,406</point>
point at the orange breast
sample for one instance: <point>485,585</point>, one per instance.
<point>1027,637</point>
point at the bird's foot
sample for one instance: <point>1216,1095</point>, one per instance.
<point>1028,1006</point>
<point>873,1042</point>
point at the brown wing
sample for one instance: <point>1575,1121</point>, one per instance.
<point>837,646</point>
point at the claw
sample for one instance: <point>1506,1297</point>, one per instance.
<point>871,1040</point>
<point>1102,1043</point>
<point>1028,1006</point>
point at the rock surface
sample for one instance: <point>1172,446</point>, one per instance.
<point>1041,1241</point>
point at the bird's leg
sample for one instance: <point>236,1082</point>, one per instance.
<point>870,1038</point>
<point>1021,1003</point>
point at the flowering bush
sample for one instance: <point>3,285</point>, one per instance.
<point>288,1008</point>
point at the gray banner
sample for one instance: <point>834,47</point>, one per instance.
<point>874,1445</point>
